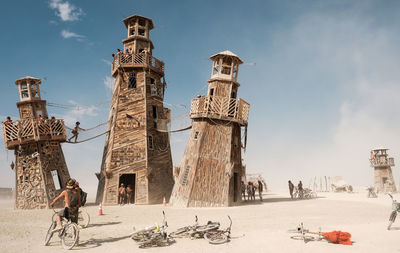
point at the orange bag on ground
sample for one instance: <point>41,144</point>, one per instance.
<point>338,237</point>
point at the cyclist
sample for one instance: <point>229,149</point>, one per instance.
<point>72,202</point>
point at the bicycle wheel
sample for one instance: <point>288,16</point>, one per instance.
<point>70,235</point>
<point>83,218</point>
<point>49,234</point>
<point>215,237</point>
<point>302,237</point>
<point>54,217</point>
<point>179,233</point>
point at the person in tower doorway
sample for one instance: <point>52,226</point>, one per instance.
<point>75,131</point>
<point>121,194</point>
<point>129,192</point>
<point>72,202</point>
<point>291,188</point>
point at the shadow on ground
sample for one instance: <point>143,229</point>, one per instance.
<point>97,242</point>
<point>104,224</point>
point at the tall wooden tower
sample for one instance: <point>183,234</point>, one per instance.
<point>383,177</point>
<point>211,169</point>
<point>40,169</point>
<point>135,153</point>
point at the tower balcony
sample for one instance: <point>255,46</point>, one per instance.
<point>382,162</point>
<point>222,108</point>
<point>144,60</point>
<point>31,130</point>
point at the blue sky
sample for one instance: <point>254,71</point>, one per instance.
<point>322,77</point>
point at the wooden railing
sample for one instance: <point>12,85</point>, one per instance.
<point>220,108</point>
<point>382,162</point>
<point>28,130</point>
<point>139,60</point>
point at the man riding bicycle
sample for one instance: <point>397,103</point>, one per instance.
<point>72,202</point>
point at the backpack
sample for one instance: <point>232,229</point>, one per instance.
<point>83,198</point>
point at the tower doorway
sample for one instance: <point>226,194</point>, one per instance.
<point>235,186</point>
<point>129,181</point>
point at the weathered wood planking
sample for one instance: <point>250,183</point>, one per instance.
<point>134,113</point>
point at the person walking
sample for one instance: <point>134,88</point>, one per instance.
<point>243,190</point>
<point>129,196</point>
<point>260,189</point>
<point>291,188</point>
<point>75,131</point>
<point>300,189</point>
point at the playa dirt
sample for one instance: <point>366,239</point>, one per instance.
<point>257,227</point>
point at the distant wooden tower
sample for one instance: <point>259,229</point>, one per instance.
<point>135,153</point>
<point>211,169</point>
<point>383,179</point>
<point>40,168</point>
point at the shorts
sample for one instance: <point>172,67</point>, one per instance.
<point>69,213</point>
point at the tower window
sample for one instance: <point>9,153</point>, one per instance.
<point>150,142</point>
<point>56,179</point>
<point>141,32</point>
<point>226,70</point>
<point>154,112</point>
<point>132,81</point>
<point>142,22</point>
<point>212,92</point>
<point>185,175</point>
<point>132,32</point>
<point>196,135</point>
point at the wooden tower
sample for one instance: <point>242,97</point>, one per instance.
<point>40,169</point>
<point>135,153</point>
<point>383,178</point>
<point>211,169</point>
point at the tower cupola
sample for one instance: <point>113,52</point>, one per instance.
<point>138,39</point>
<point>225,66</point>
<point>28,88</point>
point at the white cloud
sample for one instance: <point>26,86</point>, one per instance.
<point>106,62</point>
<point>65,10</point>
<point>67,34</point>
<point>109,82</point>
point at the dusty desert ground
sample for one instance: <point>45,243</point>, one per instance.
<point>257,227</point>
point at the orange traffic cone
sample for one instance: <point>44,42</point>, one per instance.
<point>100,209</point>
<point>164,203</point>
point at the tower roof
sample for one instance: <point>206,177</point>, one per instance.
<point>226,53</point>
<point>126,20</point>
<point>28,78</point>
<point>380,148</point>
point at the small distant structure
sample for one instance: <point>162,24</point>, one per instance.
<point>40,169</point>
<point>383,176</point>
<point>339,185</point>
<point>211,168</point>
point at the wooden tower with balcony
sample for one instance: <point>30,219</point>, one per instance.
<point>40,169</point>
<point>382,164</point>
<point>136,154</point>
<point>211,169</point>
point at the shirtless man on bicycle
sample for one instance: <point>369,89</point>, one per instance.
<point>72,202</point>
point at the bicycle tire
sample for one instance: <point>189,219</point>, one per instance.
<point>54,217</point>
<point>140,236</point>
<point>83,218</point>
<point>216,237</point>
<point>302,237</point>
<point>70,235</point>
<point>49,233</point>
<point>208,227</point>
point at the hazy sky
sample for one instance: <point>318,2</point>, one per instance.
<point>322,77</point>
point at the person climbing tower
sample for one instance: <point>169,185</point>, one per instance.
<point>75,131</point>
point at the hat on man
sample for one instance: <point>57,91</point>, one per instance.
<point>71,183</point>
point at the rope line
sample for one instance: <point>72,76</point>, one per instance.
<point>71,142</point>
<point>174,131</point>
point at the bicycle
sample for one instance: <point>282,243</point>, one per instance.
<point>195,231</point>
<point>303,234</point>
<point>83,218</point>
<point>69,234</point>
<point>152,236</point>
<point>219,236</point>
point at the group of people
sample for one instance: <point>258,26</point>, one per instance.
<point>299,188</point>
<point>73,199</point>
<point>125,194</point>
<point>251,189</point>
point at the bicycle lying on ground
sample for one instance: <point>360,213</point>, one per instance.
<point>219,236</point>
<point>152,236</point>
<point>195,231</point>
<point>302,234</point>
<point>83,218</point>
<point>69,233</point>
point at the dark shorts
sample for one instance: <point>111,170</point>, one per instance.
<point>69,213</point>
